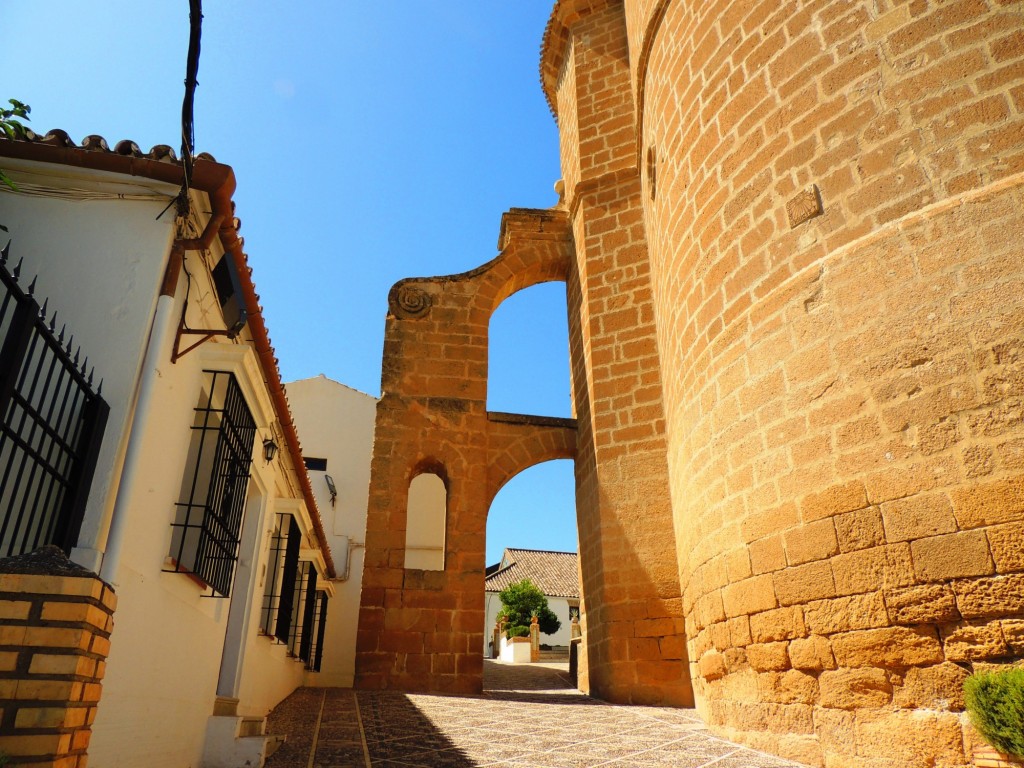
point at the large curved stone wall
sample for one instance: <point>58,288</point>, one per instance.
<point>832,200</point>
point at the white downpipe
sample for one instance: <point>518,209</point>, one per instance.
<point>163,325</point>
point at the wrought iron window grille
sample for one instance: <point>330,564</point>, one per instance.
<point>208,520</point>
<point>300,590</point>
<point>317,630</point>
<point>289,576</point>
<point>51,423</point>
<point>274,574</point>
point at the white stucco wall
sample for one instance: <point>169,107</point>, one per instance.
<point>336,422</point>
<point>101,270</point>
<point>101,263</point>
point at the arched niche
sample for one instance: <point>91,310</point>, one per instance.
<point>426,518</point>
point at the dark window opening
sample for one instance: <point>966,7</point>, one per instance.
<point>289,575</point>
<point>275,574</point>
<point>229,293</point>
<point>315,465</point>
<point>316,634</point>
<point>208,521</point>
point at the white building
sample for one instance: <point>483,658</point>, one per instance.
<point>215,548</point>
<point>556,574</point>
<point>337,425</point>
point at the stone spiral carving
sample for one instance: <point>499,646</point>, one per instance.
<point>411,301</point>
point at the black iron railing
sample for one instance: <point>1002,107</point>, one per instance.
<point>208,521</point>
<point>51,424</point>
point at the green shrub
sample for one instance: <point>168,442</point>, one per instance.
<point>996,703</point>
<point>524,600</point>
<point>518,631</point>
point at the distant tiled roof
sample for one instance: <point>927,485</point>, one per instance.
<point>554,573</point>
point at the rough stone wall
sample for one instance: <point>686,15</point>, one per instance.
<point>635,647</point>
<point>421,629</point>
<point>843,386</point>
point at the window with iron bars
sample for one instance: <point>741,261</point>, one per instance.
<point>274,580</point>
<point>316,635</point>
<point>293,610</point>
<point>208,521</point>
<point>305,577</point>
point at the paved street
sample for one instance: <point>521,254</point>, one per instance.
<point>528,716</point>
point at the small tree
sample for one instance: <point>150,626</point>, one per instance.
<point>523,600</point>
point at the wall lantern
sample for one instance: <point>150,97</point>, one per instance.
<point>269,450</point>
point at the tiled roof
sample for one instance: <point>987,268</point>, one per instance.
<point>57,146</point>
<point>554,573</point>
<point>55,137</point>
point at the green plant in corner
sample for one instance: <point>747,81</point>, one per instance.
<point>995,701</point>
<point>13,128</point>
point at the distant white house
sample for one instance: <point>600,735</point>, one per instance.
<point>556,574</point>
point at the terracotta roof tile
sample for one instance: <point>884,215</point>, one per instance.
<point>554,573</point>
<point>56,137</point>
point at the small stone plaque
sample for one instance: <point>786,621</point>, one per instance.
<point>804,206</point>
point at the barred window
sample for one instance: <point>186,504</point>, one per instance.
<point>208,520</point>
<point>294,611</point>
<point>316,651</point>
<point>303,589</point>
<point>289,574</point>
<point>275,574</point>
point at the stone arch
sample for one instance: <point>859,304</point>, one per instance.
<point>526,442</point>
<point>421,629</point>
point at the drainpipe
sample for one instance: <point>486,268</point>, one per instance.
<point>163,328</point>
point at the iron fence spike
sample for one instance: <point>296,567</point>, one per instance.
<point>99,389</point>
<point>53,321</point>
<point>85,365</point>
<point>4,252</point>
<point>91,372</point>
<point>43,310</point>
<point>16,273</point>
<point>60,336</point>
<point>75,360</point>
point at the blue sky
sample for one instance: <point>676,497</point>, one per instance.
<point>371,142</point>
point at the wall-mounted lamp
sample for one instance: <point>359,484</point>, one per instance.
<point>332,488</point>
<point>269,449</point>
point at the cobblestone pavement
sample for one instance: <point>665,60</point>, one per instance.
<point>528,716</point>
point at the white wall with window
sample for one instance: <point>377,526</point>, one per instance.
<point>336,426</point>
<point>186,628</point>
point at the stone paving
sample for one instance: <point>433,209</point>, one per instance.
<point>528,716</point>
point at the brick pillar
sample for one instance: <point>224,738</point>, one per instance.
<point>534,640</point>
<point>55,624</point>
<point>635,646</point>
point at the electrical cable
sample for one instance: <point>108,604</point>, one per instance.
<point>188,137</point>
